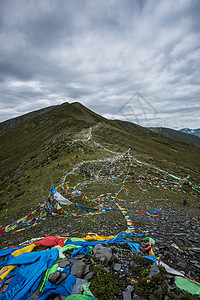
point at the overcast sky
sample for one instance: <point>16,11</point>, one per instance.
<point>132,60</point>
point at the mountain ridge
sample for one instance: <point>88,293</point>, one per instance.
<point>117,180</point>
<point>177,135</point>
<point>191,131</point>
<point>35,151</point>
<point>10,123</point>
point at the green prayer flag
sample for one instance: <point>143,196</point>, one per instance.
<point>187,285</point>
<point>150,240</point>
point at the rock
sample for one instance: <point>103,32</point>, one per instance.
<point>102,253</point>
<point>159,289</point>
<point>77,286</point>
<point>175,246</point>
<point>87,270</point>
<point>129,288</point>
<point>154,271</point>
<point>181,251</point>
<point>35,295</point>
<point>88,276</point>
<point>7,281</point>
<point>72,260</point>
<point>78,268</point>
<point>127,295</point>
<point>152,297</point>
<point>117,267</point>
<point>57,277</point>
<point>62,277</point>
<point>136,297</point>
<point>63,263</point>
<point>53,277</point>
<point>181,264</point>
<point>79,256</point>
<point>175,293</point>
<point>88,261</point>
<point>194,261</point>
<point>133,264</point>
<point>174,296</point>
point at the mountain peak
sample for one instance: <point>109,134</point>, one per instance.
<point>191,131</point>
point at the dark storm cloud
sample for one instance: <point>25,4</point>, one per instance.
<point>13,70</point>
<point>100,53</point>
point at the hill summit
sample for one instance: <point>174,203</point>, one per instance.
<point>118,203</point>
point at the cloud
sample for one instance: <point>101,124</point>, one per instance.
<point>100,53</point>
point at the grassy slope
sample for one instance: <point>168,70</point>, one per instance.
<point>177,135</point>
<point>25,164</point>
<point>30,136</point>
<point>35,154</point>
<point>175,157</point>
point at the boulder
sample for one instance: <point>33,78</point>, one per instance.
<point>102,253</point>
<point>78,268</point>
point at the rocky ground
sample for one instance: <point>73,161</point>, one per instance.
<point>126,274</point>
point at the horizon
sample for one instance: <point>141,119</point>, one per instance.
<point>97,113</point>
<point>135,60</point>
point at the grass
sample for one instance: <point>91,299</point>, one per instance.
<point>37,154</point>
<point>39,151</point>
<point>178,135</point>
<point>104,285</point>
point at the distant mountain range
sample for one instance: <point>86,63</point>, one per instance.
<point>179,135</point>
<point>191,131</point>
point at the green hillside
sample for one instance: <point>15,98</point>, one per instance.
<point>30,136</point>
<point>108,170</point>
<point>177,135</point>
<point>33,151</point>
<point>34,154</point>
